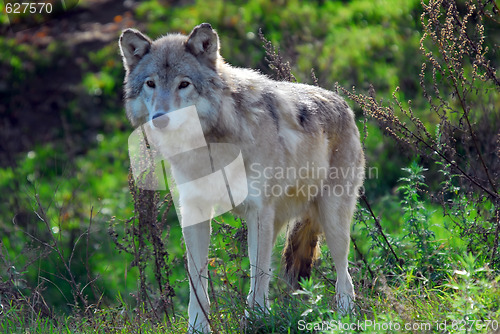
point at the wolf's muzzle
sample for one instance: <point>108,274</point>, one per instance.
<point>160,120</point>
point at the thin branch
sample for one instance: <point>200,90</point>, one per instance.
<point>497,235</point>
<point>362,257</point>
<point>379,227</point>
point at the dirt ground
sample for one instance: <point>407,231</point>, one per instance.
<point>38,109</point>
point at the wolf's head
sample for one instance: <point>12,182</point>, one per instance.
<point>172,72</point>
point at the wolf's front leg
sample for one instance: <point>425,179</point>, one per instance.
<point>260,240</point>
<point>197,238</point>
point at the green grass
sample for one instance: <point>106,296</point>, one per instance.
<point>469,299</point>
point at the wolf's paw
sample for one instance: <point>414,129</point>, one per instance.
<point>254,314</point>
<point>199,327</point>
<point>345,304</point>
<point>251,317</point>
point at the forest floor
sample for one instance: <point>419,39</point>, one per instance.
<point>33,109</point>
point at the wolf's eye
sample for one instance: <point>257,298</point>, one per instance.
<point>183,84</point>
<point>150,83</point>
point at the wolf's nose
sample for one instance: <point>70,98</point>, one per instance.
<point>160,120</point>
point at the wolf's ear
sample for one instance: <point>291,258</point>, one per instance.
<point>133,46</point>
<point>203,42</point>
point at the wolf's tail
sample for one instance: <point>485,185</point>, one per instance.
<point>301,250</point>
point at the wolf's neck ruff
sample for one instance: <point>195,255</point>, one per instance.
<point>204,180</point>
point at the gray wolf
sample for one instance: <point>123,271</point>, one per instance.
<point>300,146</point>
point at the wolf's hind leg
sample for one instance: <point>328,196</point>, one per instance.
<point>197,238</point>
<point>335,217</point>
<point>336,206</point>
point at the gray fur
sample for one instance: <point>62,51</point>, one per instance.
<point>275,125</point>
